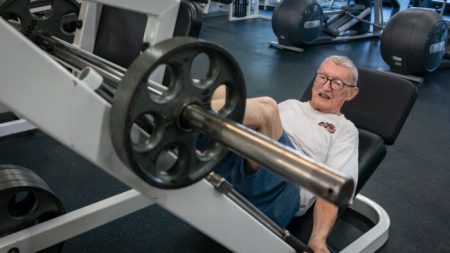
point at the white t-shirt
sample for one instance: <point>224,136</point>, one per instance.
<point>327,138</point>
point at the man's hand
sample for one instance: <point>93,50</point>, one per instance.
<point>318,245</point>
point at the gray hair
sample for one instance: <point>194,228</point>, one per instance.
<point>345,62</point>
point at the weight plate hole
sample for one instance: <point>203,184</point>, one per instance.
<point>22,203</point>
<point>219,98</point>
<point>144,133</point>
<point>222,101</point>
<point>14,20</point>
<point>167,160</point>
<point>206,148</point>
<point>201,70</point>
<point>40,9</point>
<point>69,23</point>
<point>161,84</point>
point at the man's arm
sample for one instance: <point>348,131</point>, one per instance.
<point>343,156</point>
<point>325,215</point>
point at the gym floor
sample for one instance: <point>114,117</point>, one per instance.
<point>412,183</point>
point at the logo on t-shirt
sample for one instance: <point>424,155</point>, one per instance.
<point>328,126</point>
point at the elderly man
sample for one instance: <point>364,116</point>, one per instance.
<point>317,129</point>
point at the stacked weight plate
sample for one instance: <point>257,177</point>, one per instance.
<point>25,200</point>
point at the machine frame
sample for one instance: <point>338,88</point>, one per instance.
<point>61,100</point>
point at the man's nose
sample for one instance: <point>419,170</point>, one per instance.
<point>327,85</point>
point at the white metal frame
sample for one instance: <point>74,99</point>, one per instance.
<point>84,219</point>
<point>373,239</point>
<point>69,110</point>
<point>15,126</point>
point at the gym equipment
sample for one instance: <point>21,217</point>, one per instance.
<point>299,24</point>
<point>227,189</point>
<point>82,123</point>
<point>212,6</point>
<point>26,200</point>
<point>171,103</point>
<point>130,24</point>
<point>164,106</point>
<point>181,107</point>
<point>248,9</point>
<point>11,124</point>
<point>414,41</point>
<point>78,113</point>
<point>60,18</point>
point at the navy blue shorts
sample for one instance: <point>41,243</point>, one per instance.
<point>272,194</point>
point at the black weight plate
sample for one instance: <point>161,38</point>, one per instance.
<point>169,137</point>
<point>25,200</point>
<point>14,173</point>
<point>42,16</point>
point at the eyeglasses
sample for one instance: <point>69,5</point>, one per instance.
<point>336,84</point>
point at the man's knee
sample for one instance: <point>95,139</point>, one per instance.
<point>268,106</point>
<point>271,116</point>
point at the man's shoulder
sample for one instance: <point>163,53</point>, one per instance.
<point>347,127</point>
<point>291,103</point>
<point>348,123</point>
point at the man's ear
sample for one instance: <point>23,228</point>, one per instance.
<point>354,91</point>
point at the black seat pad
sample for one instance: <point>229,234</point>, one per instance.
<point>372,150</point>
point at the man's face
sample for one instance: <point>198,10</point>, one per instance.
<point>326,99</point>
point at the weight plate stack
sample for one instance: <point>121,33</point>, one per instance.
<point>26,200</point>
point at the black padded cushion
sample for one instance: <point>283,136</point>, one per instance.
<point>382,105</point>
<point>120,32</point>
<point>372,151</point>
<point>119,35</point>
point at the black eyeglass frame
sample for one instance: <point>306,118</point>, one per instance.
<point>331,81</point>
